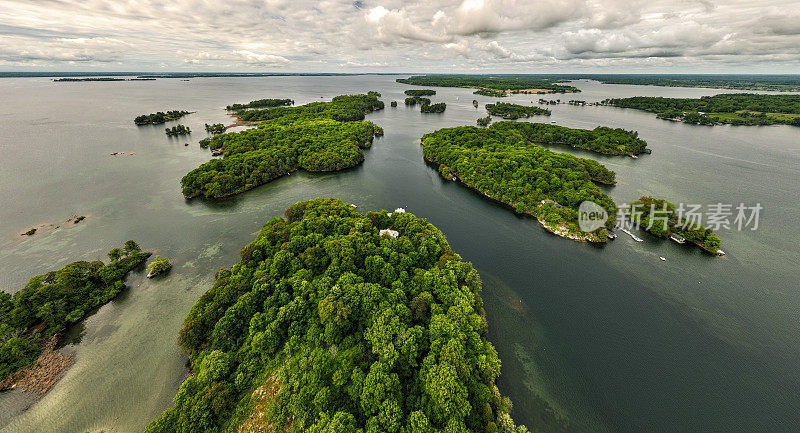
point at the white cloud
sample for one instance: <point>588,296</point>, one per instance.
<point>424,36</point>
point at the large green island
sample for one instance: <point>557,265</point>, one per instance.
<point>734,109</point>
<point>501,164</point>
<point>491,85</point>
<point>320,136</point>
<point>336,321</point>
<point>32,319</point>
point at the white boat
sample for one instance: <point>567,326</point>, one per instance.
<point>663,259</point>
<point>677,238</point>
<point>628,232</point>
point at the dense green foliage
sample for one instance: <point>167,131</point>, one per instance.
<point>420,92</point>
<point>414,100</point>
<point>491,92</point>
<point>51,302</point>
<point>502,164</point>
<point>261,103</point>
<point>659,217</point>
<point>394,104</point>
<point>159,266</point>
<point>158,118</point>
<point>433,108</point>
<point>605,140</point>
<point>488,82</point>
<point>740,82</point>
<point>178,130</point>
<point>215,128</point>
<point>514,111</point>
<point>735,109</point>
<point>484,121</point>
<point>321,136</point>
<point>343,108</point>
<point>364,332</point>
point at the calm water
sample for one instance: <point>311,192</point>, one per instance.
<point>592,339</point>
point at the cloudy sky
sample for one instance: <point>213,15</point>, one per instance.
<point>401,36</point>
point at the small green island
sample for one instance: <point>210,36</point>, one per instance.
<point>339,321</point>
<point>32,320</point>
<point>433,108</point>
<point>659,218</point>
<point>159,266</point>
<point>159,118</point>
<point>393,104</point>
<point>484,121</point>
<point>261,103</point>
<point>498,86</point>
<point>501,164</point>
<point>316,137</point>
<point>420,92</point>
<point>215,128</point>
<point>514,111</point>
<point>178,130</point>
<point>414,100</point>
<point>425,104</point>
<point>733,108</point>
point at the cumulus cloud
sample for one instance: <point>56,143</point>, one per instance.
<point>408,36</point>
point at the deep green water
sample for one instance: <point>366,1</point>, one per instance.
<point>592,339</point>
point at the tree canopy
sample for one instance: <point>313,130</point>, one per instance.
<point>731,108</point>
<point>52,301</point>
<point>514,111</point>
<point>159,118</point>
<point>660,218</point>
<point>502,164</point>
<point>261,103</point>
<point>420,92</point>
<point>362,331</point>
<point>321,136</point>
<point>605,140</point>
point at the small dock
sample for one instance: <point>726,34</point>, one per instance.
<point>628,232</point>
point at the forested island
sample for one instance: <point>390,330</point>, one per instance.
<point>420,92</point>
<point>484,121</point>
<point>68,80</point>
<point>320,136</point>
<point>338,321</point>
<point>160,117</point>
<point>215,128</point>
<point>502,84</point>
<point>433,108</point>
<point>605,140</point>
<point>659,217</point>
<point>414,100</point>
<point>733,108</point>
<point>261,103</point>
<point>32,319</point>
<point>500,163</point>
<point>782,83</point>
<point>514,111</point>
<point>178,130</point>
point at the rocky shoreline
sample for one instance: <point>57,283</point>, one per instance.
<point>49,368</point>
